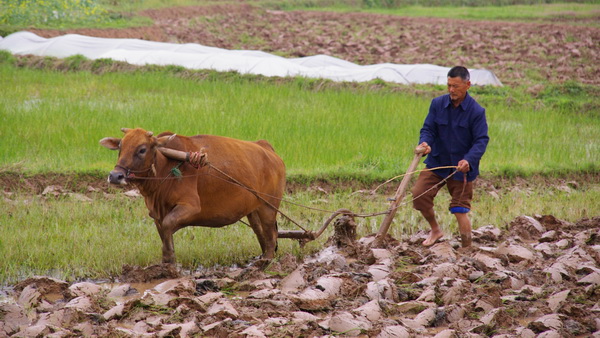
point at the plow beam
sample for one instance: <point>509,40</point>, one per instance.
<point>310,235</point>
<point>296,234</point>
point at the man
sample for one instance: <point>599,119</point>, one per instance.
<point>455,133</point>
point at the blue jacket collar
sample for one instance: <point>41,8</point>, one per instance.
<point>463,105</point>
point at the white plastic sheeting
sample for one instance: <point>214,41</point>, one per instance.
<point>196,56</point>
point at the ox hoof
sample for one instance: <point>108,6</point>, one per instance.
<point>262,263</point>
<point>254,270</point>
<point>168,261</point>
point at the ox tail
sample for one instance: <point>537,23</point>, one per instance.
<point>265,144</point>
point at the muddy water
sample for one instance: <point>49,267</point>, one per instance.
<point>53,297</point>
<point>5,294</point>
<point>141,289</point>
<point>524,321</point>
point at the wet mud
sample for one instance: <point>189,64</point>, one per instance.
<point>538,278</point>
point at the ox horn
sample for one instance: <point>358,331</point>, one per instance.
<point>125,130</point>
<point>149,133</point>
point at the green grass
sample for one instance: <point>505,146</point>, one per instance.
<point>479,10</point>
<point>52,12</point>
<point>137,5</point>
<point>518,12</point>
<point>64,14</point>
<point>331,133</point>
<point>69,239</point>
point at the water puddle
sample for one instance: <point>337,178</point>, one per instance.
<point>141,289</point>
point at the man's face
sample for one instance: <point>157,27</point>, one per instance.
<point>457,88</point>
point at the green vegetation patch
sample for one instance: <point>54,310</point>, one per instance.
<point>323,130</point>
<point>73,236</point>
<point>62,14</point>
<point>52,12</point>
<point>464,9</point>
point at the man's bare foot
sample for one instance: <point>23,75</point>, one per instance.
<point>465,240</point>
<point>434,236</point>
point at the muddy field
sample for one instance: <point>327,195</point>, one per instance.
<point>538,278</point>
<point>517,52</point>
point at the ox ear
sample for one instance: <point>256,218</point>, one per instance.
<point>111,143</point>
<point>163,140</point>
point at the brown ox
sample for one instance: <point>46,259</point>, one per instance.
<point>204,196</point>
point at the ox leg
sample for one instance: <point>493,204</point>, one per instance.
<point>168,247</point>
<point>267,227</point>
<point>179,217</point>
<point>256,226</point>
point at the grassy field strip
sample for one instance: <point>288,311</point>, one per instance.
<point>481,12</point>
<point>518,12</point>
<point>67,238</point>
<point>52,121</point>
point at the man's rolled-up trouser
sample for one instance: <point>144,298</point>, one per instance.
<point>461,192</point>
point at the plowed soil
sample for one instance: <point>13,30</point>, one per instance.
<point>538,279</point>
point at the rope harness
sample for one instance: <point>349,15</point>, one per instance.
<point>131,173</point>
<point>199,160</point>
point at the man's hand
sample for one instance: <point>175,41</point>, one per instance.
<point>463,166</point>
<point>423,148</point>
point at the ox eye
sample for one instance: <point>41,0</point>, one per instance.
<point>142,151</point>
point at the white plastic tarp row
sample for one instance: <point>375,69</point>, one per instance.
<point>196,56</point>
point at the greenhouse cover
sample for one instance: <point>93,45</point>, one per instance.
<point>196,56</point>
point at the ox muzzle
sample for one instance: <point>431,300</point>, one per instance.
<point>121,174</point>
<point>118,176</point>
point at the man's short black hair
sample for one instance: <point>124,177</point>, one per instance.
<point>460,71</point>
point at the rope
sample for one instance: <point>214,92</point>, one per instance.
<point>198,160</point>
<point>416,171</point>
<point>256,193</point>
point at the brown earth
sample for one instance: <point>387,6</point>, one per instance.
<point>89,184</point>
<point>539,278</point>
<point>517,52</point>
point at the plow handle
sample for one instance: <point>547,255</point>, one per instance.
<point>387,221</point>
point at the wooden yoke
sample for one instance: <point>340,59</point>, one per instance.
<point>400,193</point>
<point>197,159</point>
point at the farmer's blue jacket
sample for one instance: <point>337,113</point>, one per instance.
<point>455,134</point>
